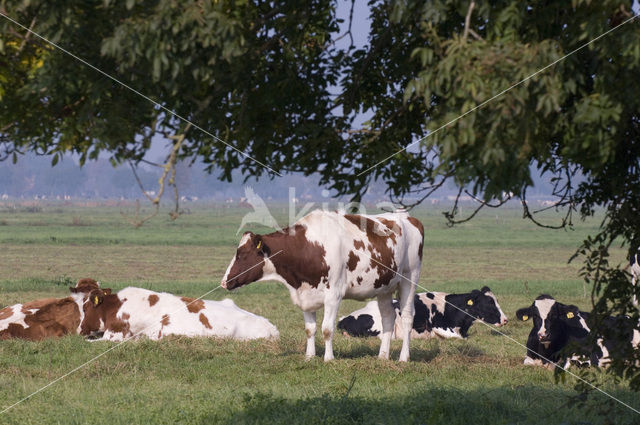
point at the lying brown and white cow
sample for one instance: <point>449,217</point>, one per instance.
<point>327,256</point>
<point>135,312</point>
<point>49,317</point>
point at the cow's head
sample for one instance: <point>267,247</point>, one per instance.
<point>538,312</point>
<point>568,319</point>
<point>93,321</point>
<point>248,263</point>
<point>484,305</point>
<point>550,316</point>
<point>84,286</point>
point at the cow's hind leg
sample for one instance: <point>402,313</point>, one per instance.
<point>310,330</point>
<point>407,311</point>
<point>331,305</point>
<point>388,316</point>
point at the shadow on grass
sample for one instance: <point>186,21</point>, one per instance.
<point>417,354</point>
<point>433,406</point>
<point>362,351</point>
<point>469,350</point>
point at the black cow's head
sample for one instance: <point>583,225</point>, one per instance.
<point>567,318</point>
<point>552,319</point>
<point>484,305</point>
<point>248,263</point>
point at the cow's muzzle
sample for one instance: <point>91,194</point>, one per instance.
<point>228,284</point>
<point>544,339</point>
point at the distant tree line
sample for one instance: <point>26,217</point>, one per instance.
<point>33,176</point>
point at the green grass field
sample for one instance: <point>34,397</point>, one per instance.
<point>200,381</point>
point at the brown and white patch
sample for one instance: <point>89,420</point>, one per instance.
<point>193,305</point>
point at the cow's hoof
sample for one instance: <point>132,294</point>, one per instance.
<point>528,361</point>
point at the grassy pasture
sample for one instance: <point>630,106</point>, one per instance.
<point>180,380</point>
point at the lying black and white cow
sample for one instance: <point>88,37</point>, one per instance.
<point>436,314</point>
<point>627,339</point>
<point>556,325</point>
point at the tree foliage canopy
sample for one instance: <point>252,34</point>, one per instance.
<point>269,79</point>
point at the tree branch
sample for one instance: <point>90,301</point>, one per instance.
<point>169,168</point>
<point>565,194</point>
<point>430,189</point>
<point>467,20</point>
<point>28,34</point>
<point>348,32</point>
<point>450,215</point>
<point>475,35</point>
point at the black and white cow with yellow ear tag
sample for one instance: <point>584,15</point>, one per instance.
<point>560,331</point>
<point>451,315</point>
<point>437,314</point>
<point>555,325</point>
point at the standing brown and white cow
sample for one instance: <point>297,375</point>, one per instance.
<point>327,256</point>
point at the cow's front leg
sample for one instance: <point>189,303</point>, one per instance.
<point>388,316</point>
<point>328,325</point>
<point>310,330</point>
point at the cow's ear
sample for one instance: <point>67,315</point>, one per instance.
<point>96,297</point>
<point>261,246</point>
<point>107,291</point>
<point>524,314</point>
<point>485,289</point>
<point>73,289</point>
<point>571,311</point>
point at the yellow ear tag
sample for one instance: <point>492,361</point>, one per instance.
<point>470,302</point>
<point>569,315</point>
<point>259,245</point>
<point>525,318</point>
<point>96,301</point>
